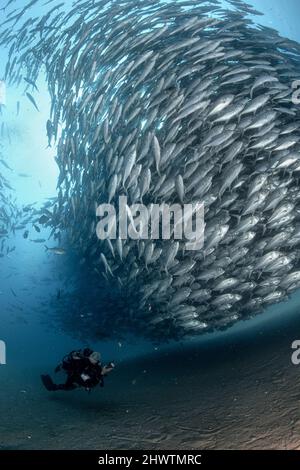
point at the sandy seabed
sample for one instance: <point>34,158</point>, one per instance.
<point>239,393</point>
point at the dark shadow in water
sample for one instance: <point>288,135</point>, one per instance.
<point>88,404</point>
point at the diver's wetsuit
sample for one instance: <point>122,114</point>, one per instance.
<point>81,373</point>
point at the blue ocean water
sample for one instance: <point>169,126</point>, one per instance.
<point>30,277</point>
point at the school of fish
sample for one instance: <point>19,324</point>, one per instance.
<point>9,213</point>
<point>171,102</point>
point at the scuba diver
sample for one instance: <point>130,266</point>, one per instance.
<point>83,369</point>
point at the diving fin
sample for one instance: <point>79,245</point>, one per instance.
<point>48,383</point>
